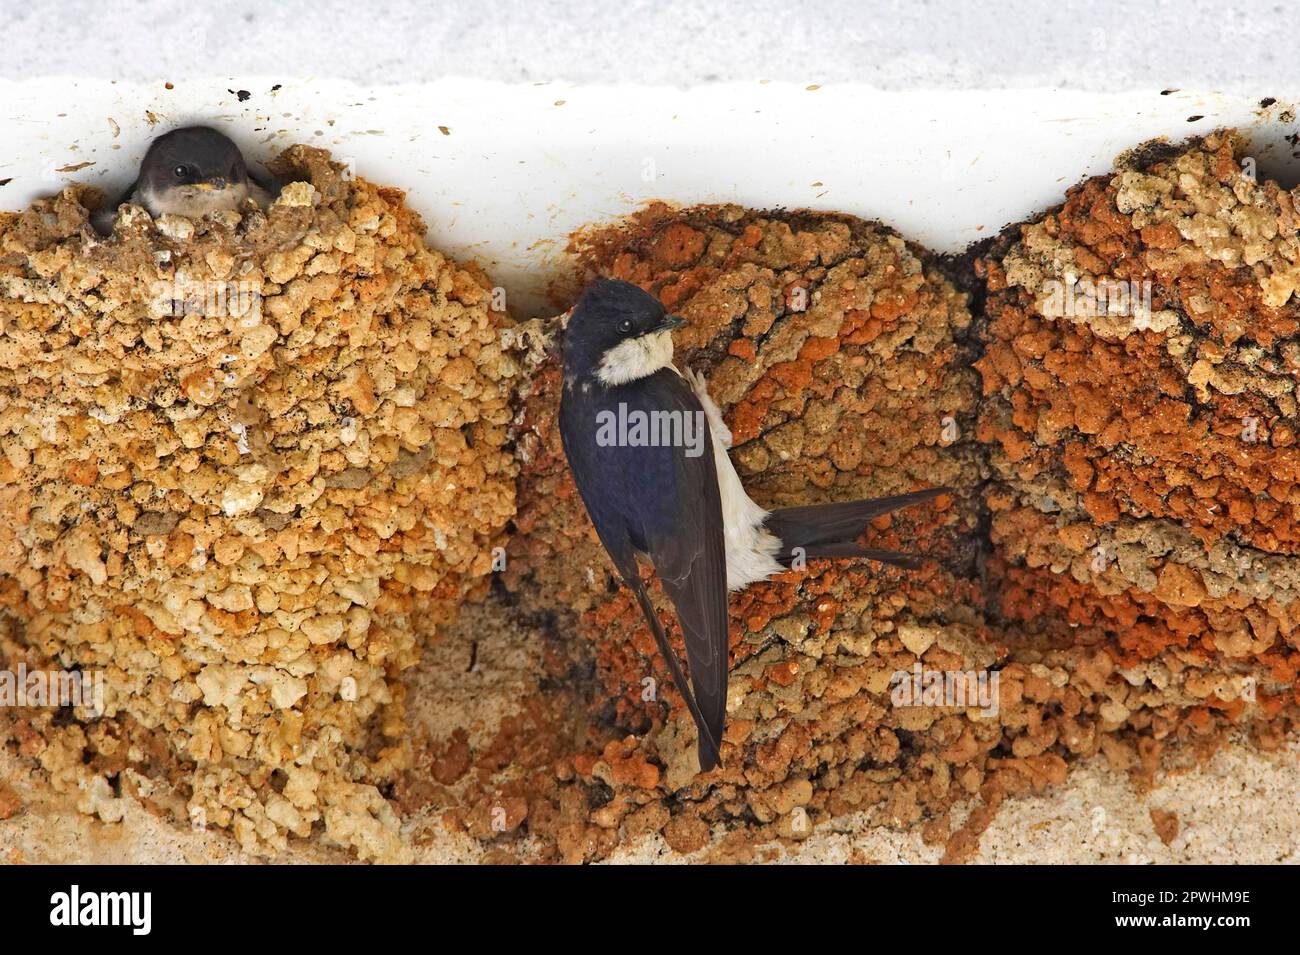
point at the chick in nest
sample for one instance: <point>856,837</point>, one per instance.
<point>191,172</point>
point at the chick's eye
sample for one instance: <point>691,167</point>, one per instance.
<point>625,326</point>
<point>180,172</point>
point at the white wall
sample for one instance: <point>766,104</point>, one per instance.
<point>1102,45</point>
<point>944,123</point>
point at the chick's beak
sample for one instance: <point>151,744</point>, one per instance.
<point>211,185</point>
<point>670,323</point>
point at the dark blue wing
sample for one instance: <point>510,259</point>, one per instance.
<point>663,501</point>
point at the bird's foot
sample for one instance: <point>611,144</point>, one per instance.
<point>701,389</point>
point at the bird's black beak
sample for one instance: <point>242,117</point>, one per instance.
<point>670,323</point>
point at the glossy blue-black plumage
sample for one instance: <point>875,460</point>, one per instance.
<point>661,501</point>
<point>664,501</point>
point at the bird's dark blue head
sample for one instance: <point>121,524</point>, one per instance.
<point>193,155</point>
<point>617,333</point>
<point>192,171</point>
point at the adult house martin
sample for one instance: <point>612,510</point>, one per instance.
<point>648,450</point>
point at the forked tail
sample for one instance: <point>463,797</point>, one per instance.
<point>820,531</point>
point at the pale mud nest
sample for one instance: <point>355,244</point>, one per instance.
<point>249,465</point>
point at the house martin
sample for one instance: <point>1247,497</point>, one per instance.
<point>193,171</point>
<point>648,450</point>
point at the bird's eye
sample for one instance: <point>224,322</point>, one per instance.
<point>625,326</point>
<point>180,172</point>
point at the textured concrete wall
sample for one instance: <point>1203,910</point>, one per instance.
<point>939,44</point>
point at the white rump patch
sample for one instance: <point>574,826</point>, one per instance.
<point>751,549</point>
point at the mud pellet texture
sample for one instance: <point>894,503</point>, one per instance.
<point>840,358</point>
<point>249,465</point>
<point>1145,502</point>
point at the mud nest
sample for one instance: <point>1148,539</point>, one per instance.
<point>1145,512</point>
<point>1119,418</point>
<point>841,359</point>
<point>249,465</point>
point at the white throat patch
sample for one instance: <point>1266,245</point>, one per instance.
<point>636,358</point>
<point>193,202</point>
